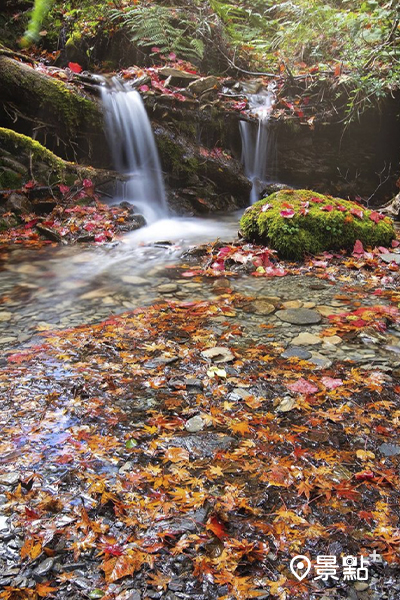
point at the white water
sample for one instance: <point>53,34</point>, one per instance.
<point>134,151</point>
<point>257,145</point>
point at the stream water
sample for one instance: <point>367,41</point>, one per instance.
<point>134,150</point>
<point>258,143</point>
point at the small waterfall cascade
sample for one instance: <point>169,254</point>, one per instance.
<point>134,150</point>
<point>258,145</point>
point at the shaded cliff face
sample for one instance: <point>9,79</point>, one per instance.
<point>360,160</point>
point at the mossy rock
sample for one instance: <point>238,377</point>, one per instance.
<point>300,222</point>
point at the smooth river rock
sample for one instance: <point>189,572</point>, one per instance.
<point>306,339</point>
<point>299,316</point>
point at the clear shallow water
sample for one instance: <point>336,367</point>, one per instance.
<point>60,287</point>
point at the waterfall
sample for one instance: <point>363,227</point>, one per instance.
<point>133,149</point>
<point>258,145</point>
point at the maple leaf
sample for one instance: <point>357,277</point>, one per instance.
<point>217,527</point>
<point>242,427</point>
<point>287,213</point>
<point>176,454</point>
<point>357,212</point>
<point>159,580</point>
<point>75,67</point>
<point>44,589</point>
<point>376,217</point>
<point>358,248</point>
<point>120,566</point>
<point>302,386</point>
<point>327,207</point>
<point>31,549</point>
<point>330,383</point>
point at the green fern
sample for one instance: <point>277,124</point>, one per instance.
<point>39,12</point>
<point>169,29</point>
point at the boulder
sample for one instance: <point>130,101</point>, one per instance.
<point>203,84</point>
<point>300,222</point>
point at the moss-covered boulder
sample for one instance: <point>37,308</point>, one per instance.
<point>299,222</point>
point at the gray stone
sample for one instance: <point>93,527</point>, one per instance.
<point>9,478</point>
<point>218,354</point>
<point>262,307</point>
<point>295,352</point>
<point>320,361</point>
<point>203,84</point>
<point>202,445</point>
<point>361,586</point>
<point>3,522</point>
<point>18,203</point>
<point>44,567</point>
<point>299,316</point>
<point>306,339</point>
<point>167,288</point>
<point>178,77</point>
<point>134,280</point>
<point>194,424</point>
<point>389,449</point>
<point>391,257</point>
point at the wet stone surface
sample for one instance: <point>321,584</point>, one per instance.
<point>54,289</point>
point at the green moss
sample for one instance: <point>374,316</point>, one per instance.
<point>9,179</point>
<point>316,230</point>
<point>18,143</point>
<point>174,156</point>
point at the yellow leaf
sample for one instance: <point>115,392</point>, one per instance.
<point>365,454</point>
<point>177,455</point>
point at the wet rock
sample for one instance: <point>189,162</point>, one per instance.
<point>308,305</point>
<point>188,523</point>
<point>294,352</point>
<point>389,449</point>
<point>299,316</point>
<point>202,445</point>
<point>203,84</point>
<point>167,288</point>
<point>134,280</point>
<point>390,257</point>
<point>18,203</point>
<point>219,354</point>
<point>44,567</point>
<point>306,339</point>
<point>325,311</point>
<point>239,394</point>
<point>333,339</point>
<point>286,404</point>
<point>82,583</point>
<point>262,307</point>
<point>5,315</point>
<point>292,304</point>
<point>9,478</point>
<point>361,586</point>
<point>320,361</point>
<point>3,522</point>
<point>176,76</point>
<point>272,299</point>
<point>192,382</point>
<point>194,424</point>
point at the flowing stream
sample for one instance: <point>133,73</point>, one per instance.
<point>134,150</point>
<point>258,145</point>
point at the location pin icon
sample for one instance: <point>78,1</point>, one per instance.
<point>300,566</point>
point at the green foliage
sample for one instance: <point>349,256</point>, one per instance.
<point>315,231</point>
<point>167,28</point>
<point>39,12</point>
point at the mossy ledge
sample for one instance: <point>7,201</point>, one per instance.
<point>35,161</point>
<point>300,222</point>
